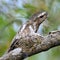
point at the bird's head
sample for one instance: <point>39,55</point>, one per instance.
<point>38,18</point>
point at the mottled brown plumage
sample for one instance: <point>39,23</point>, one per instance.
<point>24,36</point>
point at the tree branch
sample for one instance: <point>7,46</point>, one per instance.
<point>40,44</point>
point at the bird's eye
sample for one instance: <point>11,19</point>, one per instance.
<point>42,16</point>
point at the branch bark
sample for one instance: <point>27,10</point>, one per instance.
<point>40,44</point>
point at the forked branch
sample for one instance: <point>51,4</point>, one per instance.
<point>41,44</point>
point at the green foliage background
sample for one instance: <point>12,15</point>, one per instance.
<point>13,13</point>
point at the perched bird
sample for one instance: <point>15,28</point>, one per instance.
<point>27,30</point>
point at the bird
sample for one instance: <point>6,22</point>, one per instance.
<point>23,37</point>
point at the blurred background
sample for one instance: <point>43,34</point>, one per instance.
<point>14,13</point>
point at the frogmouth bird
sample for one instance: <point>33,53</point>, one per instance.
<point>23,37</point>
